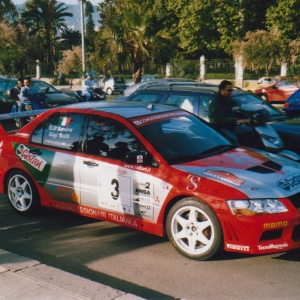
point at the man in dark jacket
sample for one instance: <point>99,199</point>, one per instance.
<point>222,116</point>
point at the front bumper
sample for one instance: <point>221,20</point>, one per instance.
<point>263,234</point>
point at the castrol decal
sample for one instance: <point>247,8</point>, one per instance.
<point>37,162</point>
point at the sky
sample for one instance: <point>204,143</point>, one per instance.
<point>94,2</point>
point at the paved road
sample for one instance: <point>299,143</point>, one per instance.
<point>142,264</point>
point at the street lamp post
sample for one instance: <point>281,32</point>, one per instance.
<point>82,34</point>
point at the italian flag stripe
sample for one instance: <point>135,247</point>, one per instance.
<point>64,121</point>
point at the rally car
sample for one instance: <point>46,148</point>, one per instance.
<point>155,168</point>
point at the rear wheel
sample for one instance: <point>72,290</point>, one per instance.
<point>194,229</point>
<point>264,97</point>
<point>22,193</point>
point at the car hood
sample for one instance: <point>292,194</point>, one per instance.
<point>256,174</point>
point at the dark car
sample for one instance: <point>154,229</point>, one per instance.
<point>196,100</point>
<point>292,104</point>
<point>54,97</point>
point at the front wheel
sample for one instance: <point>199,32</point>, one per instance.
<point>194,229</point>
<point>22,193</point>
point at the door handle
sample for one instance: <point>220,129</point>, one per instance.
<point>90,163</point>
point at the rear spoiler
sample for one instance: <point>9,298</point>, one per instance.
<point>26,113</point>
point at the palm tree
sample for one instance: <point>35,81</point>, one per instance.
<point>132,32</point>
<point>45,18</point>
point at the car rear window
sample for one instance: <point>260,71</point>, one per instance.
<point>149,97</point>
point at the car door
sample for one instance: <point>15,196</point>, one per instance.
<point>107,182</point>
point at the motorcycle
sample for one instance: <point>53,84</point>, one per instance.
<point>97,95</point>
<point>265,137</point>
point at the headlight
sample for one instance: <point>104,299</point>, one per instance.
<point>274,140</point>
<point>256,207</point>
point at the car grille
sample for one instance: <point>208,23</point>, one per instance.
<point>271,235</point>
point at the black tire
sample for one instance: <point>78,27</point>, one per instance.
<point>22,194</point>
<point>197,236</point>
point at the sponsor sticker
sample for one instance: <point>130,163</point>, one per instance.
<point>273,246</point>
<point>225,176</point>
<point>290,182</point>
<point>238,247</point>
<point>24,153</point>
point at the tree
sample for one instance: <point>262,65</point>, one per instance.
<point>284,17</point>
<point>17,50</point>
<point>132,36</point>
<point>89,27</point>
<point>71,61</point>
<point>8,10</point>
<point>45,18</point>
<point>260,49</point>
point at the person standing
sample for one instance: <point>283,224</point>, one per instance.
<point>15,92</point>
<point>88,85</point>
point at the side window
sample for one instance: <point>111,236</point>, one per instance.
<point>2,87</point>
<point>106,137</point>
<point>60,131</point>
<point>203,107</point>
<point>185,102</point>
<point>145,98</point>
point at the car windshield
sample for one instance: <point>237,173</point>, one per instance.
<point>252,102</point>
<point>45,87</point>
<point>181,137</point>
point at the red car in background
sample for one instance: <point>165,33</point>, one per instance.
<point>279,91</point>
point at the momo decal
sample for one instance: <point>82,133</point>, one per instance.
<point>193,182</point>
<point>275,224</point>
<point>290,182</point>
<point>238,247</point>
<point>274,246</point>
<point>225,176</point>
<point>24,153</point>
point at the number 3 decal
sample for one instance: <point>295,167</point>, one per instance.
<point>115,194</point>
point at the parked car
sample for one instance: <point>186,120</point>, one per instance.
<point>142,85</point>
<point>143,79</point>
<point>196,100</point>
<point>54,96</point>
<point>292,104</point>
<point>155,168</point>
<point>278,92</point>
<point>262,82</point>
<point>113,84</point>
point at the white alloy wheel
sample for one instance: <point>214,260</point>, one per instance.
<point>21,192</point>
<point>194,229</point>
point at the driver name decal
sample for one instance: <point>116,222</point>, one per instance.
<point>225,176</point>
<point>290,182</point>
<point>24,153</point>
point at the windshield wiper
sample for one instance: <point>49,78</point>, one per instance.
<point>218,149</point>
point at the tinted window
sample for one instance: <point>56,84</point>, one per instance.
<point>185,102</point>
<point>106,137</point>
<point>60,131</point>
<point>145,97</point>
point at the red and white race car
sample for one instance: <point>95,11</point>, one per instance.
<point>153,168</point>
